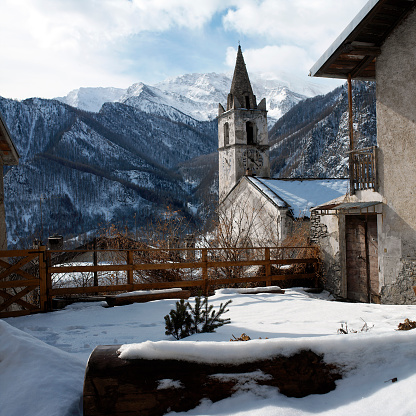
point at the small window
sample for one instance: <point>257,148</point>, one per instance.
<point>250,129</point>
<point>226,134</point>
<point>247,102</point>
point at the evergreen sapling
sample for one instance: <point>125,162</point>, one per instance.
<point>179,322</point>
<point>203,318</point>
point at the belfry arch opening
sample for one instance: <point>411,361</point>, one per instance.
<point>251,132</point>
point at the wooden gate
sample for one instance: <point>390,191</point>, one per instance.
<point>22,282</point>
<point>362,258</point>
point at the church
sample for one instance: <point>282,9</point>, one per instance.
<point>257,209</point>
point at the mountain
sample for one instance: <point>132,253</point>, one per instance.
<point>79,170</point>
<point>196,95</point>
<point>91,99</point>
<point>149,148</point>
<point>312,138</point>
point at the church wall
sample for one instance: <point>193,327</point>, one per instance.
<point>396,136</point>
<point>255,220</point>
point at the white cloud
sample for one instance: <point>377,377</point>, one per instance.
<point>306,23</point>
<point>274,59</point>
<point>51,46</point>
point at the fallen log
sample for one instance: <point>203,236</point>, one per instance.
<point>153,387</point>
<point>135,297</point>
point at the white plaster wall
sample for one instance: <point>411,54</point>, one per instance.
<point>3,233</point>
<point>396,136</point>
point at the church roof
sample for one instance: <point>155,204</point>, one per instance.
<point>300,195</point>
<point>356,48</point>
<point>241,86</point>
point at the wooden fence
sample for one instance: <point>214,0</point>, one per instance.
<point>30,279</point>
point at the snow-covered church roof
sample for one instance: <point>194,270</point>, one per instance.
<point>300,194</point>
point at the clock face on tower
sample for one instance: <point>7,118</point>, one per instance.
<point>252,159</point>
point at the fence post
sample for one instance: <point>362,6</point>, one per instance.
<point>267,266</point>
<point>43,286</point>
<point>316,267</point>
<point>95,262</point>
<point>130,270</point>
<point>204,266</point>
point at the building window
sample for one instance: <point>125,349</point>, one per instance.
<point>251,132</point>
<point>226,134</point>
<point>247,102</point>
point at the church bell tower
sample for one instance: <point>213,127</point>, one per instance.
<point>243,142</point>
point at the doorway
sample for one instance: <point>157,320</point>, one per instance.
<point>362,258</point>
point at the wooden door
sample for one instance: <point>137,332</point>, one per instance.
<point>362,258</point>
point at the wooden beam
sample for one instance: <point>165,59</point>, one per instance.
<point>351,131</point>
<point>361,66</point>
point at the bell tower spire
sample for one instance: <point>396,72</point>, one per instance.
<point>241,94</point>
<point>243,142</point>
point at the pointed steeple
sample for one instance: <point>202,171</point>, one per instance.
<point>241,94</point>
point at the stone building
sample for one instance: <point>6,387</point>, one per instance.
<point>368,237</point>
<point>8,156</point>
<point>256,210</point>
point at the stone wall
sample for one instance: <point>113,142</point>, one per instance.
<point>401,291</point>
<point>323,230</point>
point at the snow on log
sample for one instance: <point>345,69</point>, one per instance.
<point>150,387</point>
<point>146,296</point>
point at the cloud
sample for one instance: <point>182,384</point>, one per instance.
<point>274,59</point>
<point>306,23</point>
<point>51,46</point>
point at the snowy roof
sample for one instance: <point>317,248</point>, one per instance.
<point>300,194</point>
<point>355,49</point>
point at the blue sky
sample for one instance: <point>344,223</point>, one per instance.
<point>50,47</point>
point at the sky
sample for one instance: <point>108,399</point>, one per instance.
<point>50,47</point>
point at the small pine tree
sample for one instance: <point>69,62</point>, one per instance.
<point>179,322</point>
<point>212,319</point>
<point>197,314</point>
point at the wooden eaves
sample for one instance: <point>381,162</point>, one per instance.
<point>354,52</point>
<point>8,152</point>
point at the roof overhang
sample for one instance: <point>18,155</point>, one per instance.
<point>354,52</point>
<point>348,208</point>
<point>8,152</point>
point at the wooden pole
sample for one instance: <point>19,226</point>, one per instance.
<point>204,260</point>
<point>351,131</point>
<point>95,261</point>
<point>130,271</point>
<point>43,287</point>
<point>268,267</point>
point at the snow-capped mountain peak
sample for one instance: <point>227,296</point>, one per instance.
<point>195,95</point>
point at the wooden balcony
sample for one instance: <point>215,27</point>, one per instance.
<point>363,169</point>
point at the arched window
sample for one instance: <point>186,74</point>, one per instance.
<point>226,134</point>
<point>251,132</point>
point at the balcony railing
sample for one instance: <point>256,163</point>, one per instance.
<point>363,169</point>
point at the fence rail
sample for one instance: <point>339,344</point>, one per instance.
<point>43,273</point>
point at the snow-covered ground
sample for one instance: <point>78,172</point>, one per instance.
<point>43,357</point>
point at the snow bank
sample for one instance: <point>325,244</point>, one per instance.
<point>37,379</point>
